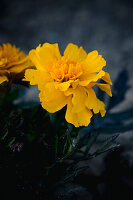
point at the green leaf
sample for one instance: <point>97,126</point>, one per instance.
<point>69,147</point>
<point>91,140</point>
<point>107,145</point>
<point>106,148</point>
<point>4,133</point>
<point>12,139</point>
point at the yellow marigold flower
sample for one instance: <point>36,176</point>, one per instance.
<point>68,80</point>
<point>12,62</point>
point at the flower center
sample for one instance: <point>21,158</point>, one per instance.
<point>65,69</point>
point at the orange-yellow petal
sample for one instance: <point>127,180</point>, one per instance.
<point>93,62</point>
<point>52,99</point>
<point>88,78</point>
<point>75,53</point>
<point>44,55</point>
<point>106,78</point>
<point>54,48</point>
<point>78,100</point>
<point>20,67</point>
<point>102,108</point>
<point>94,103</point>
<point>32,76</point>
<point>105,87</point>
<point>35,59</point>
<point>68,92</point>
<point>3,79</point>
<point>78,119</point>
<point>37,77</point>
<point>64,85</point>
<point>49,53</point>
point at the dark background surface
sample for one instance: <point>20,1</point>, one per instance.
<point>104,25</point>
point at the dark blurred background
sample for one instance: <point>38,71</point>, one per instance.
<point>103,25</point>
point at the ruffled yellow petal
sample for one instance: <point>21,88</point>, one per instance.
<point>68,92</point>
<point>94,103</point>
<point>106,78</point>
<point>20,67</point>
<point>12,64</point>
<point>3,79</point>
<point>78,100</point>
<point>37,77</point>
<point>88,78</point>
<point>35,59</point>
<point>54,48</point>
<point>102,108</point>
<point>44,55</point>
<point>105,87</point>
<point>75,83</point>
<point>64,86</point>
<point>52,99</point>
<point>75,53</point>
<point>93,62</point>
<point>32,76</point>
<point>78,119</point>
<point>49,53</point>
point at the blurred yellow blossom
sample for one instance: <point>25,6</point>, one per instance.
<point>68,80</point>
<point>12,62</point>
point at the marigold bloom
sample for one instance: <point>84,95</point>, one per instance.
<point>68,80</point>
<point>12,62</point>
